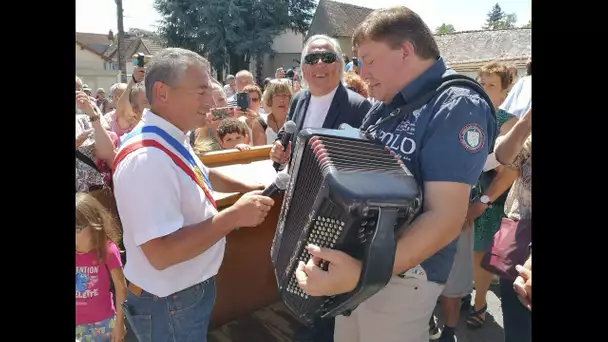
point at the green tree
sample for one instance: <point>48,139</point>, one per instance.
<point>445,29</point>
<point>528,25</point>
<point>230,32</point>
<point>499,20</point>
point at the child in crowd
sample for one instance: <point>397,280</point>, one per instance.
<point>233,133</point>
<point>98,265</point>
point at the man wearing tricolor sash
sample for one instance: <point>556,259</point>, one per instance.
<point>173,234</point>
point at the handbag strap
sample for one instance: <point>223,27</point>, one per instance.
<point>83,158</point>
<point>262,123</point>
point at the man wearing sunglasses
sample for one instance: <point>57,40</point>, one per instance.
<point>326,103</point>
<point>445,144</point>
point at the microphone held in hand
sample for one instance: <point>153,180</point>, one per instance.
<point>279,185</point>
<point>289,129</point>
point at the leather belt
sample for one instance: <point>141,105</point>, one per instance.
<point>136,290</point>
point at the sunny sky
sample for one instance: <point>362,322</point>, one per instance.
<point>99,16</point>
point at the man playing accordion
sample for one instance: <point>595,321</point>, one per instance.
<point>444,144</point>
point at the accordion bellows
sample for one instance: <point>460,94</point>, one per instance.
<point>344,193</point>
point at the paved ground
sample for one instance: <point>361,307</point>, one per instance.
<point>492,332</point>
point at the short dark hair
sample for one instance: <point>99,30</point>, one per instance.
<point>231,125</point>
<point>394,26</point>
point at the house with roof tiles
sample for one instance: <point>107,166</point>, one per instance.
<point>95,69</point>
<point>465,51</point>
<point>135,41</point>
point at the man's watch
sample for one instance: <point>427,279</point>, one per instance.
<point>485,199</point>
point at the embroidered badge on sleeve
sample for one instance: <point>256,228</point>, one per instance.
<point>472,137</point>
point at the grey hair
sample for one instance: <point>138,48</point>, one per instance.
<point>245,73</point>
<point>335,46</point>
<point>117,86</point>
<point>169,67</point>
<point>137,88</point>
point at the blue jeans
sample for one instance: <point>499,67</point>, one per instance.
<point>517,319</point>
<point>181,317</point>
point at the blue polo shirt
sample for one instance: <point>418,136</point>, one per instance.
<point>445,140</point>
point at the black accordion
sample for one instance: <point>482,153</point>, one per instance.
<point>344,193</point>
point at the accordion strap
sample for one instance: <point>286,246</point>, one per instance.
<point>403,113</point>
<point>368,127</point>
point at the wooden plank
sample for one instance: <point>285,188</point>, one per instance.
<point>242,289</point>
<point>260,171</point>
<point>273,323</point>
<point>231,157</point>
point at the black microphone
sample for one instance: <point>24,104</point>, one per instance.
<point>279,185</point>
<point>289,128</point>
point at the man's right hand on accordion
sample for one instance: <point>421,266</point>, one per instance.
<point>342,275</point>
<point>445,208</point>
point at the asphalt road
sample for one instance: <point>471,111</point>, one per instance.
<point>491,332</point>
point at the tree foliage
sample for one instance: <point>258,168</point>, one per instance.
<point>498,20</point>
<point>445,29</point>
<point>230,32</point>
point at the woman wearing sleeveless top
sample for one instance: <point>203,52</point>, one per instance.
<point>277,97</point>
<point>253,119</point>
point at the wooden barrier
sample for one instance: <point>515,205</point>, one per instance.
<point>246,281</point>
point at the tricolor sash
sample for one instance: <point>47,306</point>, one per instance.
<point>190,168</point>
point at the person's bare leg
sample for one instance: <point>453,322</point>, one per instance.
<point>451,311</point>
<point>451,314</point>
<point>482,279</point>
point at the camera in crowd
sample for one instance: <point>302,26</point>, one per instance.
<point>243,101</point>
<point>290,74</point>
<point>140,60</point>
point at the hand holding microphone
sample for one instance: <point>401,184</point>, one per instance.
<point>281,149</point>
<point>252,208</point>
<point>279,185</point>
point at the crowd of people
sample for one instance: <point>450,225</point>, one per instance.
<point>142,194</point>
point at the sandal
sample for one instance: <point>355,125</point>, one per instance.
<point>475,320</point>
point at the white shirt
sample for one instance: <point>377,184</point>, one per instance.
<point>156,198</point>
<point>519,100</point>
<point>317,110</point>
<point>271,135</point>
<point>228,90</point>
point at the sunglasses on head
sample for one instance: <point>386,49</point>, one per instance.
<point>325,57</point>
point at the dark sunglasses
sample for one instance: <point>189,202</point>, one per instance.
<point>325,57</point>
